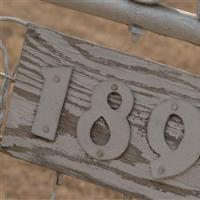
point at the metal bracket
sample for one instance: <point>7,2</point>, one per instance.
<point>173,162</point>
<point>51,101</point>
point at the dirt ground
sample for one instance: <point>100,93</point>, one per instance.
<point>21,180</point>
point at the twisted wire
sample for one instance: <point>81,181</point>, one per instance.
<point>6,75</point>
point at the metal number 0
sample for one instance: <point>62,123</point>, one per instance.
<point>116,120</point>
<point>173,162</point>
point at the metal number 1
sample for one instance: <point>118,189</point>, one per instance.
<point>56,82</point>
<point>173,162</point>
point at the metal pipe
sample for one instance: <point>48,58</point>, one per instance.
<point>155,18</point>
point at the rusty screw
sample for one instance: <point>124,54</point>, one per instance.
<point>161,170</point>
<point>56,79</point>
<point>46,129</point>
<point>99,153</point>
<point>114,87</point>
<point>174,107</point>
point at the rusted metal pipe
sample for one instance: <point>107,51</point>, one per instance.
<point>159,19</point>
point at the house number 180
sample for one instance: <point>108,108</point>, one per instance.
<point>170,162</point>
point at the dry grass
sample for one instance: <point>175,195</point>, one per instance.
<point>21,180</point>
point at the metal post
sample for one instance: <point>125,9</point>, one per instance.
<point>155,18</point>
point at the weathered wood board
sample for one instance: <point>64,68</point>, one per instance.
<point>152,83</point>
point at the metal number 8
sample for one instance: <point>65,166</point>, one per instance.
<point>116,120</point>
<point>173,162</point>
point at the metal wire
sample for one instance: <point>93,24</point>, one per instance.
<point>57,182</point>
<point>6,75</point>
<point>14,19</point>
<point>4,85</point>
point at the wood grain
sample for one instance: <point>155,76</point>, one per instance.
<point>152,83</point>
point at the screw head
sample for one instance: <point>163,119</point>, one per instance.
<point>174,106</point>
<point>56,79</point>
<point>99,153</point>
<point>46,129</point>
<point>161,170</point>
<point>114,87</point>
<point>101,120</point>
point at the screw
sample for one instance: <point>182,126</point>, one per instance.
<point>174,106</point>
<point>56,79</point>
<point>99,153</point>
<point>114,87</point>
<point>46,129</point>
<point>161,170</point>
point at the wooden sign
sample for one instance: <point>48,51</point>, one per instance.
<point>105,117</point>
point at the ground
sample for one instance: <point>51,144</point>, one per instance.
<point>21,180</point>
